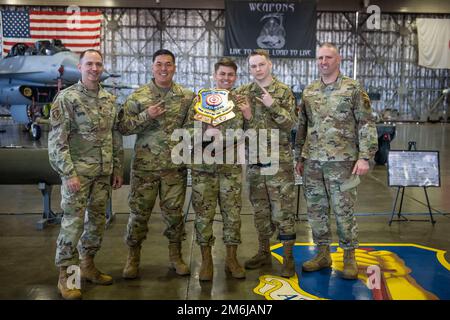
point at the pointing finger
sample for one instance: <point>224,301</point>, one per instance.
<point>263,89</point>
<point>157,105</point>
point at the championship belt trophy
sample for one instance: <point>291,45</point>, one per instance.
<point>213,106</point>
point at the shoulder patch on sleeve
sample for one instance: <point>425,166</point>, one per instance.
<point>55,114</point>
<point>365,97</point>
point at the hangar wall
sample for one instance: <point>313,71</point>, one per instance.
<point>386,58</point>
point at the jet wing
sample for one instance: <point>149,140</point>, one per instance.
<point>12,73</point>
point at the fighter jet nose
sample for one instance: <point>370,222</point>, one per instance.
<point>67,69</point>
<point>105,75</point>
<point>70,72</point>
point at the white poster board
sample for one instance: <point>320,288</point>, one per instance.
<point>413,168</point>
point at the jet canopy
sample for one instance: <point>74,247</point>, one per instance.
<point>40,48</point>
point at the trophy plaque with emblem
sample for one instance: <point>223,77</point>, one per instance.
<point>213,106</point>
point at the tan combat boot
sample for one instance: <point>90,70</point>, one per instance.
<point>262,257</point>
<point>207,268</point>
<point>131,270</point>
<point>66,293</point>
<point>176,260</point>
<point>232,264</point>
<point>350,267</point>
<point>92,274</point>
<point>288,267</point>
<point>321,260</point>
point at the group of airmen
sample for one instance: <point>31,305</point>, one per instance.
<point>336,138</point>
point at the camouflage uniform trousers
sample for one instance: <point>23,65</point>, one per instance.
<point>273,200</point>
<point>207,189</point>
<point>91,198</point>
<point>145,186</point>
<point>322,182</point>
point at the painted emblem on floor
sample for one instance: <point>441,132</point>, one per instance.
<point>386,272</point>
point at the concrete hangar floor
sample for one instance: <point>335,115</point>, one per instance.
<point>412,256</point>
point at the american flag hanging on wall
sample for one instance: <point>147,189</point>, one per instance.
<point>77,31</point>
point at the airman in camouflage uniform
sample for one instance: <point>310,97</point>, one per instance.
<point>85,149</point>
<point>272,196</point>
<point>220,182</point>
<point>152,112</point>
<point>336,138</point>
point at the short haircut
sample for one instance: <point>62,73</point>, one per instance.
<point>330,45</point>
<point>259,52</point>
<point>90,50</point>
<point>161,52</point>
<point>226,62</point>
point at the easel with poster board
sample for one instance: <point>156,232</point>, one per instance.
<point>412,168</point>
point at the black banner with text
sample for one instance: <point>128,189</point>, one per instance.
<point>285,29</point>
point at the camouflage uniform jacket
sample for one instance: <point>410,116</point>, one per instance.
<point>336,122</point>
<point>152,149</point>
<point>233,124</point>
<point>84,140</point>
<point>280,115</point>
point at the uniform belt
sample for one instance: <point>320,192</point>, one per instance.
<point>213,153</point>
<point>262,165</point>
<point>207,143</point>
